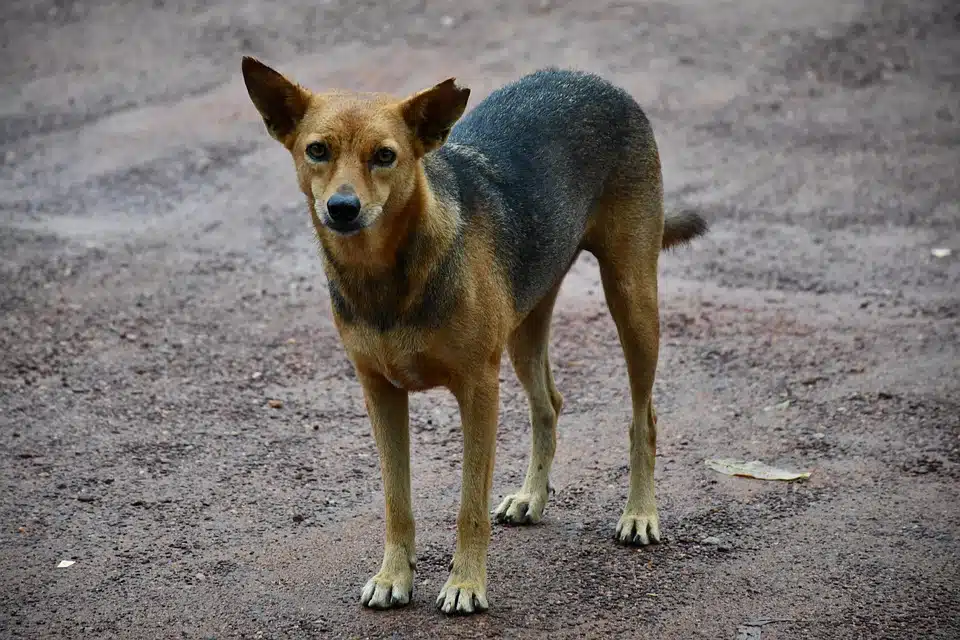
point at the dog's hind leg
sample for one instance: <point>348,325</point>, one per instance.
<point>630,229</point>
<point>631,293</point>
<point>528,347</point>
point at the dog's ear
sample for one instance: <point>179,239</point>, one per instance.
<point>433,112</point>
<point>281,103</point>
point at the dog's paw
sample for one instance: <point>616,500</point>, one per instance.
<point>388,590</point>
<point>462,597</point>
<point>638,529</point>
<point>521,508</point>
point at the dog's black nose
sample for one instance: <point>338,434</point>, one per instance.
<point>343,207</point>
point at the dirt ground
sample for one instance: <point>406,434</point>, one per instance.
<point>160,285</point>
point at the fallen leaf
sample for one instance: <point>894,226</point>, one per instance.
<point>779,406</point>
<point>940,252</point>
<point>752,630</point>
<point>754,469</point>
<point>275,404</point>
<point>65,563</point>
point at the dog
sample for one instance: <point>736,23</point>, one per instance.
<point>444,238</point>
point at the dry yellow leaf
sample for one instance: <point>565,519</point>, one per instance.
<point>754,469</point>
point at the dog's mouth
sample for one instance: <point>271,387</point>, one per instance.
<point>347,228</point>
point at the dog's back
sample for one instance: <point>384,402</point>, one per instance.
<point>537,157</point>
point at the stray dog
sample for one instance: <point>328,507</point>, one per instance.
<point>444,245</point>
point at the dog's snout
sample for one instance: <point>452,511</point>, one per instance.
<point>343,207</point>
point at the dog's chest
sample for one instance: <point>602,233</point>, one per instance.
<point>402,361</point>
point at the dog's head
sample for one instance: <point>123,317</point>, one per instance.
<point>357,155</point>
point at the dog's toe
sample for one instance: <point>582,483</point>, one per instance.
<point>521,508</point>
<point>462,598</point>
<point>386,592</point>
<point>638,529</point>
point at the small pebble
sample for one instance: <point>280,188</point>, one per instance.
<point>711,540</point>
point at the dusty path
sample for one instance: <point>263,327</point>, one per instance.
<point>160,285</point>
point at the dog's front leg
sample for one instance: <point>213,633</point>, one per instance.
<point>389,415</point>
<point>466,588</point>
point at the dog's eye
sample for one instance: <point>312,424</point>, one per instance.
<point>384,157</point>
<point>318,152</point>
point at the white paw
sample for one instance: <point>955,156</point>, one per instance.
<point>638,529</point>
<point>521,508</point>
<point>462,597</point>
<point>387,590</point>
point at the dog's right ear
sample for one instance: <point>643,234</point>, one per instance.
<point>433,112</point>
<point>281,103</point>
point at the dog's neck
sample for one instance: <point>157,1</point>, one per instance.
<point>381,275</point>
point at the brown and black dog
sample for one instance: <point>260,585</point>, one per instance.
<point>445,245</point>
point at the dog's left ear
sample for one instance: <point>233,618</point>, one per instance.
<point>433,112</point>
<point>281,103</point>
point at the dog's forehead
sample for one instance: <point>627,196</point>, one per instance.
<point>351,113</point>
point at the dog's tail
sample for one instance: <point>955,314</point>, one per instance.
<point>682,227</point>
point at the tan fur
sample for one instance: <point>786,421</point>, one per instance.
<point>626,234</point>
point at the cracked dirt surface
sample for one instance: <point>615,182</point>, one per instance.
<point>160,286</point>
